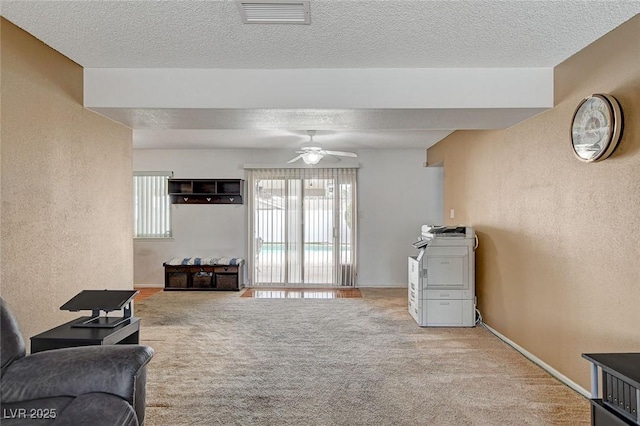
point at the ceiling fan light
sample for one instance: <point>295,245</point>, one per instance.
<point>311,157</point>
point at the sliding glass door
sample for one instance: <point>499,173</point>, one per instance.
<point>302,227</point>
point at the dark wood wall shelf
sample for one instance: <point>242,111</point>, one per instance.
<point>206,191</point>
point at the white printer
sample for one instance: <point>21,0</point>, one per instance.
<point>442,277</point>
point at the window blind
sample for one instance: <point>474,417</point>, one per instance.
<point>152,206</point>
<point>302,226</point>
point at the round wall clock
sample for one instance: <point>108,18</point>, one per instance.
<point>596,127</point>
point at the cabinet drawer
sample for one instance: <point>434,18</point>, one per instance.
<point>225,269</point>
<point>444,312</point>
<point>450,313</point>
<point>447,294</point>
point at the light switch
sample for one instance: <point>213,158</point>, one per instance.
<point>452,214</point>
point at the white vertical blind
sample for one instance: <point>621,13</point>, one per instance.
<point>302,226</point>
<point>151,205</point>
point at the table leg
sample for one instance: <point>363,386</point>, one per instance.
<point>594,381</point>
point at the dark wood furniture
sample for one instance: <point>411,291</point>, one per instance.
<point>620,388</point>
<point>203,277</point>
<point>206,191</point>
<point>66,336</point>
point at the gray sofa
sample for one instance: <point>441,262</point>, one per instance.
<point>89,385</point>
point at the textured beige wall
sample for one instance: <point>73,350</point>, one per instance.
<point>557,268</point>
<point>66,186</point>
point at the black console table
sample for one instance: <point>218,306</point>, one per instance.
<point>69,335</point>
<point>620,388</point>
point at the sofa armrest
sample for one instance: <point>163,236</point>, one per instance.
<point>75,371</point>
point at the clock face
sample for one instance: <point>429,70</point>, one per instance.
<point>596,128</point>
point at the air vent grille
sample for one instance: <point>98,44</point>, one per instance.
<point>274,11</point>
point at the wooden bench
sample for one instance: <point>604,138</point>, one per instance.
<point>203,277</point>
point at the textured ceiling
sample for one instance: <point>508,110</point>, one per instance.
<point>342,34</point>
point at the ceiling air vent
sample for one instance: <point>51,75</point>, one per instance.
<point>274,11</point>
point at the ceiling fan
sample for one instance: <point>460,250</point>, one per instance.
<point>311,152</point>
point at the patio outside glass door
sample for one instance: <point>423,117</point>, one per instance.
<point>302,227</point>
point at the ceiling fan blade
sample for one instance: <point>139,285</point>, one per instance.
<point>293,160</point>
<point>331,159</point>
<point>342,153</point>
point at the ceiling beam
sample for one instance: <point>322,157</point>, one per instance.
<point>444,99</point>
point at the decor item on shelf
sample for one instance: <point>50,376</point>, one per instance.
<point>311,152</point>
<point>206,191</point>
<point>596,127</point>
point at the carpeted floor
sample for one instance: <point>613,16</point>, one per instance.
<point>225,360</point>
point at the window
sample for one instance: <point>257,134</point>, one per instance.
<point>151,205</point>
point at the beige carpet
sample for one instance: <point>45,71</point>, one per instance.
<point>225,360</point>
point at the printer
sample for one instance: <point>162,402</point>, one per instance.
<point>441,290</point>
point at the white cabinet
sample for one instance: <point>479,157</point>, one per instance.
<point>441,287</point>
<point>450,313</point>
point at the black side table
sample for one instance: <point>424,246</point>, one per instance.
<point>620,400</point>
<point>66,336</point>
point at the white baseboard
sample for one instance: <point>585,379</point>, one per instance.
<point>148,285</point>
<point>549,369</point>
